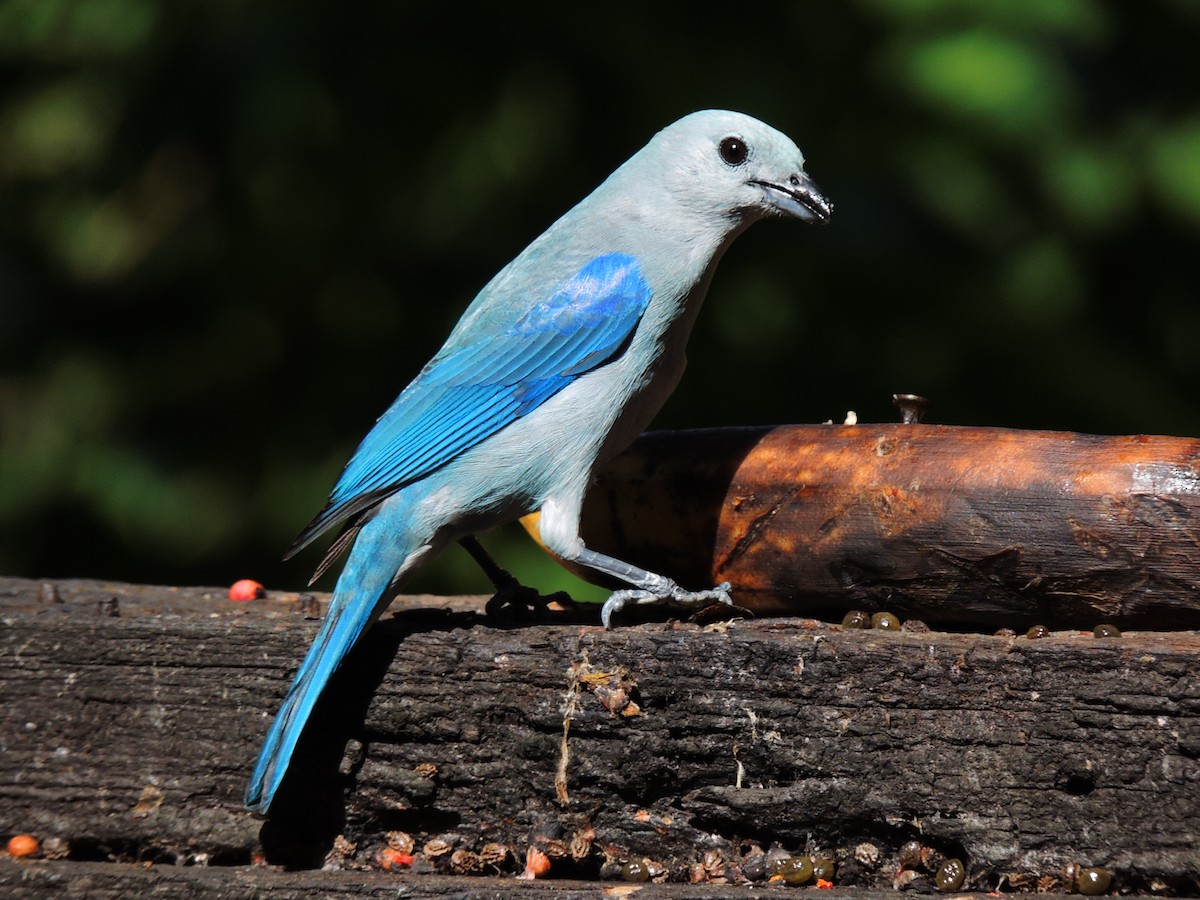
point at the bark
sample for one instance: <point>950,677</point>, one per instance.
<point>129,737</point>
<point>967,527</point>
<point>23,881</point>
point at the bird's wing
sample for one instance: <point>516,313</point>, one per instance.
<point>471,391</point>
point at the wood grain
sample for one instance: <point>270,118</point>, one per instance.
<point>130,738</point>
<point>966,527</point>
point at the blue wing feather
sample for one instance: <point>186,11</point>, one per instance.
<point>470,392</point>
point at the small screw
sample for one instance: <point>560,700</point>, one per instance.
<point>912,407</point>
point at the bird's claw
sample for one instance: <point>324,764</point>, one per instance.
<point>516,601</point>
<point>675,597</point>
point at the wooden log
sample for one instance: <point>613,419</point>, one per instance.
<point>129,737</point>
<point>967,527</point>
<point>115,881</point>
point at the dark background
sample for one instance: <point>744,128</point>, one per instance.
<point>231,232</point>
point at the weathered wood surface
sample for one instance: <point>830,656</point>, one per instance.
<point>23,881</point>
<point>969,526</point>
<point>130,737</point>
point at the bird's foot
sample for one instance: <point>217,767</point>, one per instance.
<point>673,597</point>
<point>516,601</point>
<point>513,600</point>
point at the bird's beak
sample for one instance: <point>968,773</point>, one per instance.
<point>799,196</point>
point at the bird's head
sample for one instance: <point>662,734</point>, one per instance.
<point>731,164</point>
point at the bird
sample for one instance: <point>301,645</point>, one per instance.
<point>559,362</point>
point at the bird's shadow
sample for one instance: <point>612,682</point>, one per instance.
<point>309,809</point>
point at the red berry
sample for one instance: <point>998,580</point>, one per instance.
<point>537,864</point>
<point>22,845</point>
<point>390,858</point>
<point>246,589</point>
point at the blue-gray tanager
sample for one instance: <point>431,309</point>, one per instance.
<point>558,364</point>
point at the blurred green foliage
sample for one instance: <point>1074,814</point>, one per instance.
<point>230,233</point>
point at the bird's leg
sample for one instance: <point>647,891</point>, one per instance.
<point>647,586</point>
<point>501,578</point>
<point>558,527</point>
<point>510,593</point>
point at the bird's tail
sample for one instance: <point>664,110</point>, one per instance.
<point>366,586</point>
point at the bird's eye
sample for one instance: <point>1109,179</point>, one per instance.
<point>734,151</point>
